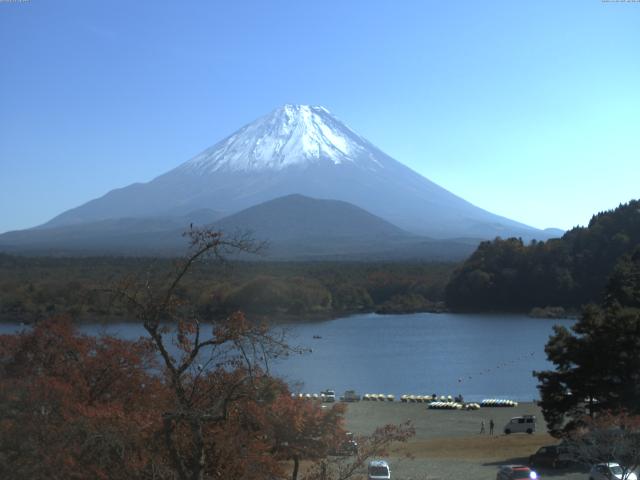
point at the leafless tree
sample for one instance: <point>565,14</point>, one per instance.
<point>191,348</point>
<point>369,447</point>
<point>609,437</point>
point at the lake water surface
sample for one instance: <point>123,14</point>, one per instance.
<point>478,356</point>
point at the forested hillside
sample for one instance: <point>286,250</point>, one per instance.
<point>36,287</point>
<point>569,272</point>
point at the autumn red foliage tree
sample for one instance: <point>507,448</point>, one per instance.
<point>215,368</point>
<point>193,401</point>
<point>74,406</point>
<point>300,430</point>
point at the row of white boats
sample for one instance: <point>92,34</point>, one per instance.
<point>433,401</point>
<point>426,398</point>
<point>498,402</point>
<point>453,406</point>
<point>378,397</point>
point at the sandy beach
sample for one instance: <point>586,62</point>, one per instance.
<point>448,445</point>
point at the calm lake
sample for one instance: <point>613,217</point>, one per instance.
<point>478,356</point>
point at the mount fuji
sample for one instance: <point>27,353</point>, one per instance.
<point>296,149</point>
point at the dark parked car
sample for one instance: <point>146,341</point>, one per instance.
<point>552,456</point>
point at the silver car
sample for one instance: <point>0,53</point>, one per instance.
<point>378,470</point>
<point>610,471</point>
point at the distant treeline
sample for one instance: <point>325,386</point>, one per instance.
<point>38,287</point>
<point>501,275</point>
<point>568,272</point>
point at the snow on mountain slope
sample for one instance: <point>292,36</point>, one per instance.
<point>293,135</point>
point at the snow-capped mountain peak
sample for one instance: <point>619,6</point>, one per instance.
<point>296,150</point>
<point>292,135</point>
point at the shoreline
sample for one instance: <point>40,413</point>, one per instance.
<point>274,319</point>
<point>278,318</point>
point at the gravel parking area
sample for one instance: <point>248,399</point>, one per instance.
<point>448,445</point>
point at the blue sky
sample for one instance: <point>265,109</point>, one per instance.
<point>530,110</point>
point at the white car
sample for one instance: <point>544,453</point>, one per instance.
<point>523,424</point>
<point>610,471</point>
<point>328,396</point>
<point>378,470</point>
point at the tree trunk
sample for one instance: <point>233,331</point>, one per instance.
<point>199,453</point>
<point>296,465</point>
<point>173,450</point>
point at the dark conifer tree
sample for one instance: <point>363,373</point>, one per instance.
<point>597,361</point>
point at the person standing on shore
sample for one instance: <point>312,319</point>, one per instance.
<point>491,425</point>
<point>482,426</point>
